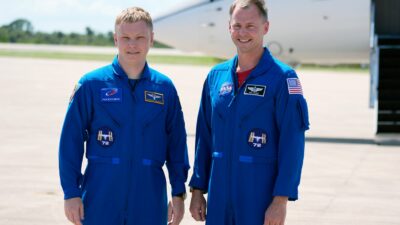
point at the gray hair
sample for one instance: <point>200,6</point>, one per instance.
<point>260,4</point>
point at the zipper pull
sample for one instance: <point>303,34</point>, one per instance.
<point>233,99</point>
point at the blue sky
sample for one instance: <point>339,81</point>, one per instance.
<point>75,15</point>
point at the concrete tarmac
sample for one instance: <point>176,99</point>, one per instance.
<point>347,179</point>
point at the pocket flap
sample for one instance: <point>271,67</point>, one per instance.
<point>256,160</point>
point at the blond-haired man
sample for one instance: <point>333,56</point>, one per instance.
<point>129,118</point>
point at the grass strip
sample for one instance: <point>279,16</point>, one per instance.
<point>162,59</point>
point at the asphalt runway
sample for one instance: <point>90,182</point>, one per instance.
<point>347,179</point>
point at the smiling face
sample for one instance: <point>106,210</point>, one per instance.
<point>247,28</point>
<point>133,41</point>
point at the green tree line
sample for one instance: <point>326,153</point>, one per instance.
<point>21,31</point>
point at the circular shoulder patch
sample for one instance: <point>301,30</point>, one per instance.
<point>105,137</point>
<point>226,88</point>
<point>257,138</point>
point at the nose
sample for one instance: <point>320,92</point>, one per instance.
<point>241,31</point>
<point>131,42</point>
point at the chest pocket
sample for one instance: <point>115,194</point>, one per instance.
<point>151,107</point>
<point>255,104</point>
<point>220,103</point>
<point>258,108</point>
<point>151,114</point>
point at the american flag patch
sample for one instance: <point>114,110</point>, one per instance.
<point>294,86</point>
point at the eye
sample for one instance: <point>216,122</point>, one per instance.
<point>236,26</point>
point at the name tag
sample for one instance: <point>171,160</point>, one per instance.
<point>256,90</point>
<point>154,97</point>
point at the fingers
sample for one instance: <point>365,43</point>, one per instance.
<point>73,216</point>
<point>275,215</point>
<point>170,211</point>
<point>271,222</point>
<point>69,216</point>
<point>198,211</point>
<point>195,211</point>
<point>81,212</point>
<point>76,218</point>
<point>74,210</point>
<point>178,209</point>
<point>203,212</point>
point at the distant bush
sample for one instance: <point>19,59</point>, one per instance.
<point>21,31</point>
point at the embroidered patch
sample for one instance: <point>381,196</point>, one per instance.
<point>226,88</point>
<point>77,86</point>
<point>257,138</point>
<point>111,95</point>
<point>294,86</point>
<point>256,90</point>
<point>154,97</point>
<point>105,137</point>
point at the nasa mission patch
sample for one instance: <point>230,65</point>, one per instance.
<point>105,137</point>
<point>257,138</point>
<point>226,88</point>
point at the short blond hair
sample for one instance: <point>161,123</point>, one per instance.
<point>133,15</point>
<point>260,4</point>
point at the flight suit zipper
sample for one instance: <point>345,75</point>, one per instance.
<point>131,159</point>
<point>230,151</point>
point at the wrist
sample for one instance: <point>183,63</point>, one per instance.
<point>194,190</point>
<point>280,200</point>
<point>181,196</point>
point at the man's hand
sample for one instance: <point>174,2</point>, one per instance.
<point>276,212</point>
<point>198,205</point>
<point>73,208</point>
<point>176,209</point>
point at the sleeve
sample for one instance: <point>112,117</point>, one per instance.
<point>72,140</point>
<point>203,143</point>
<point>177,155</point>
<point>292,120</point>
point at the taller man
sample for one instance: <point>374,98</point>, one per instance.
<point>131,120</point>
<point>250,130</point>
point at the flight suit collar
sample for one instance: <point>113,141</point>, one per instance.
<point>262,67</point>
<point>119,71</point>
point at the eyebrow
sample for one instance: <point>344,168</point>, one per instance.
<point>134,34</point>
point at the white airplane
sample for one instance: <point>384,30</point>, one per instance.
<point>301,31</point>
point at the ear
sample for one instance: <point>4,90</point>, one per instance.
<point>266,27</point>
<point>115,38</point>
<point>229,26</point>
<point>152,39</point>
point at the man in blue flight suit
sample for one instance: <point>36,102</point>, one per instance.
<point>130,118</point>
<point>250,131</point>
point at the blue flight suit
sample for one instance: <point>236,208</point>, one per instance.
<point>249,140</point>
<point>131,128</point>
